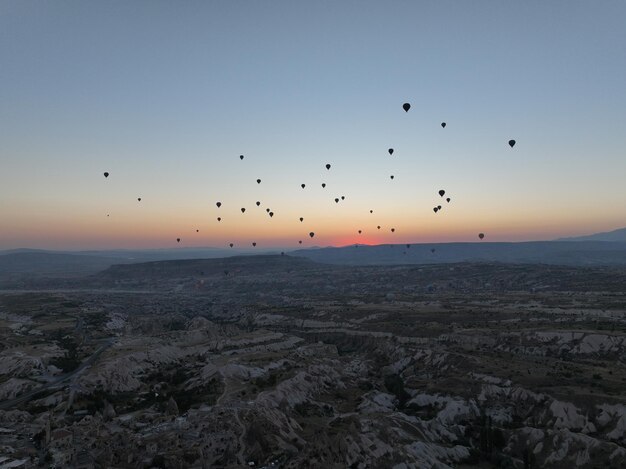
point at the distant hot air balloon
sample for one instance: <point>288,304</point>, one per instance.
<point>219,204</point>
<point>390,151</point>
<point>378,227</point>
<point>197,231</point>
<point>391,176</point>
<point>435,209</point>
<point>241,157</point>
<point>303,186</point>
<point>231,245</point>
<point>359,231</point>
<point>442,192</point>
<point>243,210</point>
<point>371,211</point>
<point>343,197</point>
<point>337,200</point>
<point>138,199</point>
<point>393,230</point>
<point>300,242</point>
<point>219,219</point>
<point>106,175</point>
<point>511,143</point>
<point>448,199</point>
<point>443,124</point>
<point>481,235</point>
<point>267,210</point>
<point>258,203</point>
<point>311,234</point>
<point>323,185</point>
<point>406,107</point>
<point>254,244</point>
<point>178,240</point>
<point>301,219</point>
<point>327,166</point>
<point>271,214</point>
<point>258,181</point>
<point>439,207</point>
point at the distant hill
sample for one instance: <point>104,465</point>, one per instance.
<point>587,253</point>
<point>612,236</point>
<point>46,263</point>
<point>250,265</point>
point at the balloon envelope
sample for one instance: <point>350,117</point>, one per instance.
<point>511,143</point>
<point>406,107</point>
<point>106,175</point>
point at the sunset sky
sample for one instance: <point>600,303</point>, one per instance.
<point>166,95</point>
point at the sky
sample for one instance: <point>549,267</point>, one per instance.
<point>165,96</point>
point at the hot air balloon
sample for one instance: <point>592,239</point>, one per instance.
<point>336,200</point>
<point>327,166</point>
<point>197,231</point>
<point>448,199</point>
<point>390,151</point>
<point>241,157</point>
<point>243,210</point>
<point>439,207</point>
<point>138,199</point>
<point>300,242</point>
<point>178,240</point>
<point>258,204</point>
<point>378,227</point>
<point>271,214</point>
<point>391,176</point>
<point>219,204</point>
<point>301,219</point>
<point>406,107</point>
<point>481,235</point>
<point>106,175</point>
<point>219,219</point>
<point>393,230</point>
<point>323,185</point>
<point>254,244</point>
<point>442,192</point>
<point>267,210</point>
<point>303,186</point>
<point>311,234</point>
<point>435,209</point>
<point>258,181</point>
<point>231,245</point>
<point>371,211</point>
<point>359,231</point>
<point>443,124</point>
<point>511,143</point>
<point>343,197</point>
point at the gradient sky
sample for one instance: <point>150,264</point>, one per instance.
<point>166,95</point>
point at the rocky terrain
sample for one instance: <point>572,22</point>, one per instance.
<point>274,361</point>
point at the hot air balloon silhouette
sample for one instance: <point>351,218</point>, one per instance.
<point>243,210</point>
<point>178,240</point>
<point>241,157</point>
<point>511,143</point>
<point>327,166</point>
<point>390,151</point>
<point>481,235</point>
<point>311,234</point>
<point>106,175</point>
<point>443,124</point>
<point>219,204</point>
<point>406,107</point>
